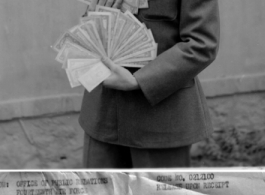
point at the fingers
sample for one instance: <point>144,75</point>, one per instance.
<point>117,4</point>
<point>109,63</point>
<point>93,4</point>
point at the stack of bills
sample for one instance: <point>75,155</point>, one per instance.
<point>106,33</point>
<point>130,5</point>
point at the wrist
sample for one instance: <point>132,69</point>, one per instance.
<point>134,84</point>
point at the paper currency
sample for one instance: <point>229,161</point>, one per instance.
<point>103,23</point>
<point>133,35</point>
<point>94,76</point>
<point>73,48</point>
<point>138,40</point>
<point>130,5</point>
<point>142,55</point>
<point>78,67</point>
<point>66,37</point>
<point>75,54</point>
<point>86,40</point>
<point>143,4</point>
<point>77,63</point>
<point>125,31</point>
<point>114,20</point>
<point>106,33</point>
<point>89,28</point>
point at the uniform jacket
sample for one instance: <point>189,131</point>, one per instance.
<point>170,108</point>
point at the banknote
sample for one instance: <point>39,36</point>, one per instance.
<point>104,27</point>
<point>89,28</point>
<point>127,28</point>
<point>78,63</point>
<point>131,42</point>
<point>75,54</point>
<point>97,23</point>
<point>84,39</point>
<point>94,76</point>
<point>130,5</point>
<point>73,48</point>
<point>117,33</point>
<point>141,38</point>
<point>115,14</point>
<point>105,33</point>
<point>142,54</point>
<point>146,41</point>
<point>133,33</point>
<point>150,45</point>
<point>76,68</point>
<point>146,54</point>
<point>66,37</point>
<point>130,15</point>
<point>143,4</point>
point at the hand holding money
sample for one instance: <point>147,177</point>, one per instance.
<point>120,78</point>
<point>101,45</point>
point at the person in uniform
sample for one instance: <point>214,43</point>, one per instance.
<point>150,117</point>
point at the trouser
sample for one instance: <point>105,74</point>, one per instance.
<point>99,154</point>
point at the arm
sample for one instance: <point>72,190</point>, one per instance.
<point>171,70</point>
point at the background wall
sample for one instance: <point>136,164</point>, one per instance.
<point>242,40</point>
<point>37,103</point>
<point>239,66</point>
<point>29,75</point>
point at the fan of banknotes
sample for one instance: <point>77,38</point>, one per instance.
<point>106,33</point>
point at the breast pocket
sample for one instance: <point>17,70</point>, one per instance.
<point>160,10</point>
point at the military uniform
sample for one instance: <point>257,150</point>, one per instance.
<point>169,110</point>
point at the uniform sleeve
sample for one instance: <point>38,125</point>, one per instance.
<point>174,68</point>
